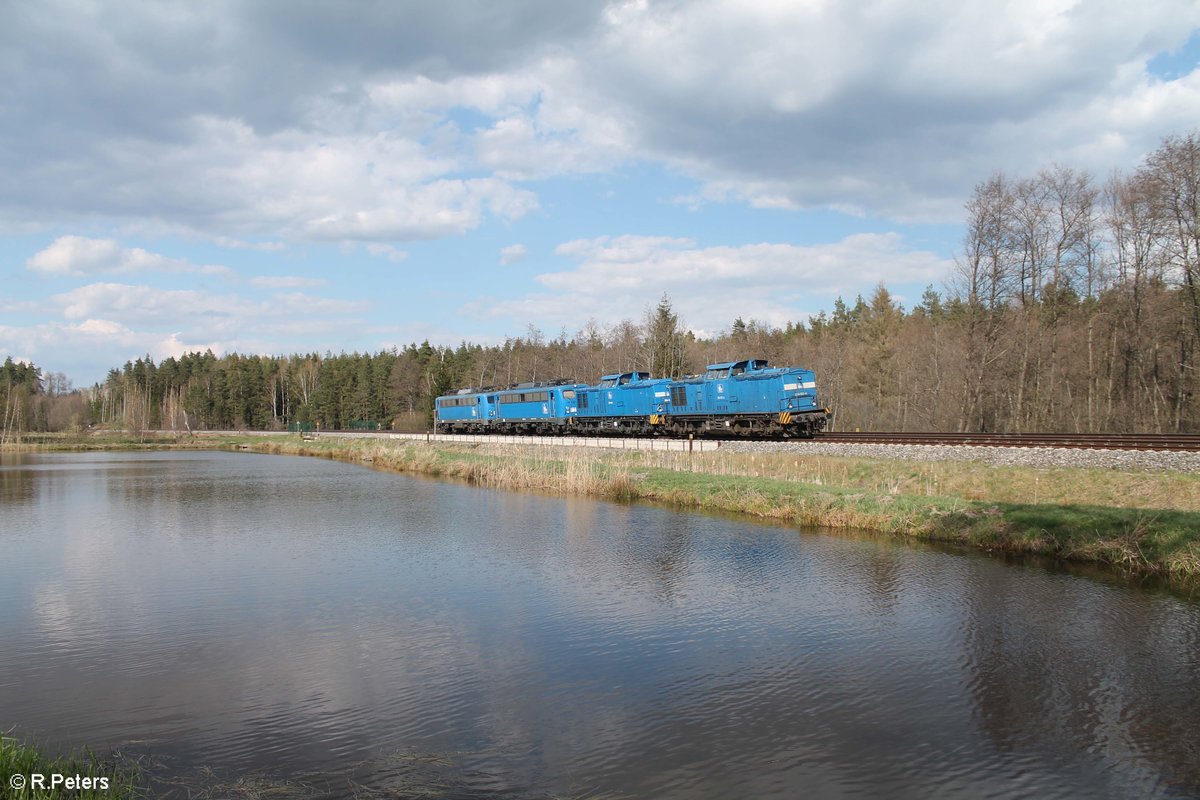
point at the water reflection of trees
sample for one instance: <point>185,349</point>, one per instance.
<point>650,645</point>
<point>16,484</point>
<point>1058,667</point>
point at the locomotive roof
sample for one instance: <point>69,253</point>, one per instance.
<point>755,363</point>
<point>516,387</point>
<point>638,375</point>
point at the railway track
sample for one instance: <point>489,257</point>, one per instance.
<point>1173,442</point>
<point>1180,442</point>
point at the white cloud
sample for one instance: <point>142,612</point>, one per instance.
<point>429,211</point>
<point>886,107</point>
<point>88,349</point>
<point>513,253</point>
<point>225,313</point>
<point>239,244</point>
<point>226,177</point>
<point>79,255</point>
<point>391,253</point>
<point>710,286</point>
<point>102,325</point>
<point>420,128</point>
<point>286,282</point>
<point>145,305</point>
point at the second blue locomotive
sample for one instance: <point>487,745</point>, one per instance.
<point>736,398</point>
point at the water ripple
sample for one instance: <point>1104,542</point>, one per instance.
<point>303,620</point>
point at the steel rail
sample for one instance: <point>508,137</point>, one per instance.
<point>1088,441</point>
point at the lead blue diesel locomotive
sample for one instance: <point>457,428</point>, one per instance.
<point>736,398</point>
<point>744,398</point>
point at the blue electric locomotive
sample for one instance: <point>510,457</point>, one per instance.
<point>543,408</point>
<point>464,412</point>
<point>546,408</point>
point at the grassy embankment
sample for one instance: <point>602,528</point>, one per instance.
<point>1141,522</point>
<point>120,781</point>
<point>112,440</point>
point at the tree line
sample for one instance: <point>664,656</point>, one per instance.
<point>1074,306</point>
<point>33,401</point>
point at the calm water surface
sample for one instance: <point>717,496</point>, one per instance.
<point>319,623</point>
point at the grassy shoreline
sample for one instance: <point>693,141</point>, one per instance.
<point>92,778</point>
<point>1141,523</point>
<point>944,502</point>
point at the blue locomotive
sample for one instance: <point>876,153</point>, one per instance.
<point>744,398</point>
<point>463,412</point>
<point>543,408</point>
<point>621,403</point>
<point>735,398</point>
<point>536,408</point>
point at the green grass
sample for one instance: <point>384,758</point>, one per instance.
<point>114,779</point>
<point>1165,542</point>
<point>114,440</point>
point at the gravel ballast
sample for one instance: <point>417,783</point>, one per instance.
<point>1167,461</point>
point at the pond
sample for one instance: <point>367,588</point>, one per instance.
<point>324,626</point>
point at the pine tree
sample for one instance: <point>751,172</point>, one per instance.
<point>665,342</point>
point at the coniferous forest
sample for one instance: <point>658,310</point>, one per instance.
<point>1074,306</point>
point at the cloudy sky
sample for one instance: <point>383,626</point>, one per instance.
<point>290,176</point>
